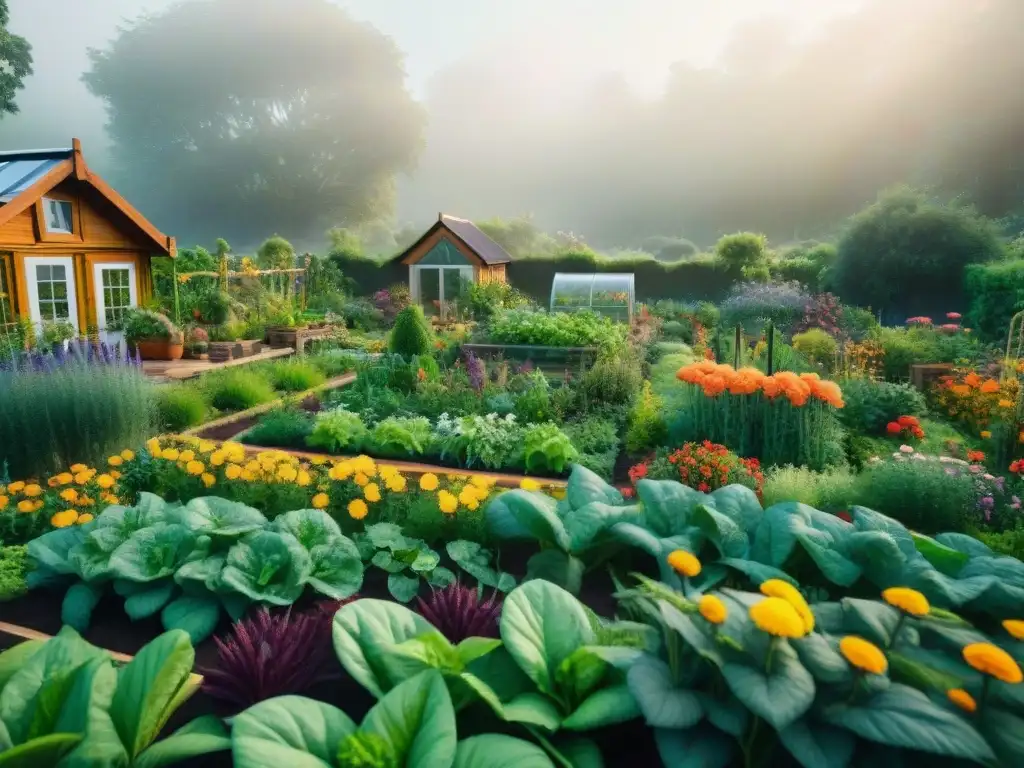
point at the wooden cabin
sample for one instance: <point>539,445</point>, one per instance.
<point>71,248</point>
<point>450,254</point>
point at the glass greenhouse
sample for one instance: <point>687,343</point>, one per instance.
<point>607,293</point>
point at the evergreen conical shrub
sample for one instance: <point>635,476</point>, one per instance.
<point>411,335</point>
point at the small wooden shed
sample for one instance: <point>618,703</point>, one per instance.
<point>450,254</point>
<point>71,248</point>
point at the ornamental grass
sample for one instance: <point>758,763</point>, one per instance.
<point>785,418</point>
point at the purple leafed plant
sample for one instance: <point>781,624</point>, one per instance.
<point>271,654</point>
<point>458,612</point>
<point>476,370</point>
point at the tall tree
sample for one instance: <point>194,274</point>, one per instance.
<point>15,63</point>
<point>240,118</point>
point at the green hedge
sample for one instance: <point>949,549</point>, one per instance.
<point>701,278</point>
<point>996,291</point>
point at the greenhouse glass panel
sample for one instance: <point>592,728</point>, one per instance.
<point>610,294</point>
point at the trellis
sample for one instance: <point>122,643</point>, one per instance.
<point>223,275</point>
<point>1013,352</point>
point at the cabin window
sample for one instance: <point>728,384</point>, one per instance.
<point>57,215</point>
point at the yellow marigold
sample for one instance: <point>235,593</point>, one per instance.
<point>360,479</point>
<point>287,472</point>
<point>65,518</point>
<point>267,464</point>
<point>985,434</point>
<point>372,492</point>
<point>115,461</point>
<point>206,446</point>
<point>248,476</point>
<point>4,501</point>
<point>106,481</point>
<point>85,501</point>
<point>115,474</point>
<point>863,655</point>
<point>395,483</point>
<point>1004,403</point>
<point>33,489</point>
<point>321,500</point>
<point>76,468</point>
<point>303,478</point>
<point>789,593</point>
<point>473,506</point>
<point>187,455</point>
<point>1014,626</point>
<point>217,458</point>
<point>447,502</point>
<point>482,482</point>
<point>70,495</point>
<point>127,454</point>
<point>529,484</point>
<point>429,482</point>
<point>110,498</point>
<point>684,563</point>
<point>16,486</point>
<point>994,661</point>
<point>777,617</point>
<point>713,609</point>
<point>208,480</point>
<point>908,600</point>
<point>357,509</point>
<point>171,454</point>
<point>364,464</point>
<point>962,699</point>
<point>84,518</point>
<point>26,505</point>
<point>64,478</point>
<point>83,477</point>
<point>468,495</point>
<point>153,445</point>
<point>232,471</point>
<point>253,466</point>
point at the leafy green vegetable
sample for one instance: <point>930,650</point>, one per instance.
<point>268,566</point>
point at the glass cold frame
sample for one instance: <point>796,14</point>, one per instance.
<point>609,294</point>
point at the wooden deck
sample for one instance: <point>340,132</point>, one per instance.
<point>176,370</point>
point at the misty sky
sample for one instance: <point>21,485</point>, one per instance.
<point>545,49</point>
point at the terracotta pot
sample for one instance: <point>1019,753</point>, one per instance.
<point>160,349</point>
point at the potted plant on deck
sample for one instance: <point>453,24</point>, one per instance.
<point>154,335</point>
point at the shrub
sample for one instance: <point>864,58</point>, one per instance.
<point>830,489</point>
<point>1009,543</point>
<point>80,411</point>
<point>338,431</point>
<point>180,406</point>
<point>13,567</point>
<point>921,494</point>
<point>238,390</point>
<point>871,405</point>
<point>143,325</point>
<point>613,379</point>
<point>487,299</point>
<point>817,346</point>
<point>996,292</point>
<point>904,253</point>
<point>744,249</point>
<point>281,429</point>
<point>295,376</point>
<point>411,335</point>
<point>646,426</point>
<point>752,305</point>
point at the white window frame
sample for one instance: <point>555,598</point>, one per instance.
<point>101,313</point>
<point>31,262</point>
<point>415,276</point>
<point>69,229</point>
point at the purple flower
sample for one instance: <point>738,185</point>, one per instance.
<point>1015,504</point>
<point>987,501</point>
<point>476,370</point>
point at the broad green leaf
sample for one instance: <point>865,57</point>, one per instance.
<point>153,553</point>
<point>403,588</point>
<point>579,673</point>
<point>125,588</point>
<point>904,669</point>
<point>604,707</point>
<point>906,718</point>
<point>473,648</point>
<point>668,505</point>
<point>418,721</point>
<point>878,554</point>
<point>520,514</point>
<point>698,747</point>
<point>200,737</point>
<point>779,696</point>
<point>43,752</point>
<point>961,542</point>
<point>289,731</point>
<point>150,601</point>
<point>385,535</point>
<point>51,551</point>
<point>203,573</point>
<point>728,538</point>
<point>758,573</point>
<point>87,710</point>
<point>557,567</point>
<point>541,626</point>
<point>364,633</point>
<point>146,688</point>
<point>871,619</point>
<point>835,566</point>
<point>865,519</point>
<point>662,704</point>
<point>816,745</point>
<point>533,709</point>
<point>726,713</point>
<point>496,751</point>
<point>90,559</point>
<point>426,561</point>
<point>775,536</point>
<point>476,561</point>
<point>946,559</point>
<point>387,562</point>
<point>580,752</point>
<point>586,524</point>
<point>215,516</point>
<point>15,658</point>
<point>311,527</point>
<point>79,602</point>
<point>585,487</point>
<point>195,616</point>
<point>822,659</point>
<point>739,504</point>
<point>441,577</point>
<point>431,650</point>
<point>1005,734</point>
<point>269,567</point>
<point>499,671</point>
<point>337,569</point>
<point>689,632</point>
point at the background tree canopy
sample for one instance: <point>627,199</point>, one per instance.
<point>231,115</point>
<point>15,63</point>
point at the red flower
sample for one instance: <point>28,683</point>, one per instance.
<point>907,421</point>
<point>975,456</point>
<point>918,432</point>
<point>703,487</point>
<point>893,428</point>
<point>953,315</point>
<point>627,492</point>
<point>844,516</point>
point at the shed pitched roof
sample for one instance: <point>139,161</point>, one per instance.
<point>27,175</point>
<point>488,251</point>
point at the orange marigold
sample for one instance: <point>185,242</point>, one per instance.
<point>991,386</point>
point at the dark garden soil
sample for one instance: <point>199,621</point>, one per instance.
<point>222,432</point>
<point>629,744</point>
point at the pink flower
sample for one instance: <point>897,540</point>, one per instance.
<point>906,449</point>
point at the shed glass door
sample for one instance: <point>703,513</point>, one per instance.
<point>51,291</point>
<point>115,295</point>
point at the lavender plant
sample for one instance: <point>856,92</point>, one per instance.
<point>752,305</point>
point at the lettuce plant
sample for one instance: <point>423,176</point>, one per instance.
<point>338,431</point>
<point>413,726</point>
<point>401,436</point>
<point>546,448</point>
<point>406,560</point>
<point>63,701</point>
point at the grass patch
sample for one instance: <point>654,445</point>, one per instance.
<point>669,388</point>
<point>295,376</point>
<point>181,407</point>
<point>828,490</point>
<point>937,434</point>
<point>238,390</point>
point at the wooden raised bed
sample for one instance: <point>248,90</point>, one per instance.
<point>296,338</point>
<point>924,376</point>
<point>222,351</point>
